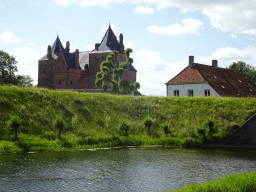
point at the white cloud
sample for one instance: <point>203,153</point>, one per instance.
<point>9,37</point>
<point>234,16</point>
<point>153,71</point>
<point>73,48</point>
<point>227,55</point>
<point>190,26</point>
<point>234,36</point>
<point>65,2</point>
<point>143,10</point>
<point>105,28</point>
<point>27,54</point>
<point>89,48</point>
<point>129,44</point>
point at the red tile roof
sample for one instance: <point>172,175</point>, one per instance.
<point>234,84</point>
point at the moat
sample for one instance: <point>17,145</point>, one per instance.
<point>120,169</point>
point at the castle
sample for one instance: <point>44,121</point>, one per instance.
<point>60,69</point>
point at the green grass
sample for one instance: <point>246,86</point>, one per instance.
<point>93,119</point>
<point>244,182</point>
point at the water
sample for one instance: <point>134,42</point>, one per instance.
<point>126,169</point>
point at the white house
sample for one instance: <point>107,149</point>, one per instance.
<point>204,80</point>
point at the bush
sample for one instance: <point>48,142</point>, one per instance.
<point>148,122</point>
<point>124,125</point>
<point>59,124</point>
<point>15,123</point>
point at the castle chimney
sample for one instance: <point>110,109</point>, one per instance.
<point>49,52</point>
<point>67,46</point>
<point>191,61</point>
<point>215,63</point>
<point>77,58</point>
<point>121,45</point>
<point>234,67</point>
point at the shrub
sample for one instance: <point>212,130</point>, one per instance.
<point>15,123</point>
<point>124,125</point>
<point>59,124</point>
<point>148,122</point>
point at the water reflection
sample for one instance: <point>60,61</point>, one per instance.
<point>127,169</point>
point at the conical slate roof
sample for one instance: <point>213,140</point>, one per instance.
<point>57,46</point>
<point>108,43</point>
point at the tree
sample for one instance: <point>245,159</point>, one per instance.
<point>25,80</point>
<point>111,72</point>
<point>124,125</point>
<point>148,122</point>
<point>15,123</point>
<point>247,71</point>
<point>59,124</point>
<point>7,69</point>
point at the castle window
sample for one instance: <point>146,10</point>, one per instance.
<point>207,92</point>
<point>190,93</point>
<point>71,82</point>
<point>176,93</point>
<point>59,82</point>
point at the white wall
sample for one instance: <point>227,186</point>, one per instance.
<point>198,89</point>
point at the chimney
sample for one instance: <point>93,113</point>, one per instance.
<point>215,63</point>
<point>49,52</point>
<point>77,58</point>
<point>67,46</point>
<point>234,67</point>
<point>121,45</point>
<point>191,61</point>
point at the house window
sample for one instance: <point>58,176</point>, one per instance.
<point>59,82</point>
<point>207,92</point>
<point>190,93</point>
<point>71,82</point>
<point>176,93</point>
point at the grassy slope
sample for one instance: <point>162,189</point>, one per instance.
<point>92,119</point>
<point>244,182</point>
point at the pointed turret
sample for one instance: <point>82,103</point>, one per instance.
<point>108,43</point>
<point>57,46</point>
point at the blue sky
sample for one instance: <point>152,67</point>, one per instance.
<point>162,33</point>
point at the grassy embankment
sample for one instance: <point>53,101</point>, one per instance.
<point>93,119</point>
<point>244,182</point>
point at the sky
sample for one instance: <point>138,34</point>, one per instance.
<point>161,33</point>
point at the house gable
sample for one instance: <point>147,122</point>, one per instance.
<point>225,82</point>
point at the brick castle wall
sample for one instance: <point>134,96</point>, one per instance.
<point>56,74</point>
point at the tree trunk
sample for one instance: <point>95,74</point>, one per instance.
<point>59,135</point>
<point>16,134</point>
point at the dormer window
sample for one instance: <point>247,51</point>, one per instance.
<point>223,86</point>
<point>239,80</point>
<point>215,77</point>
